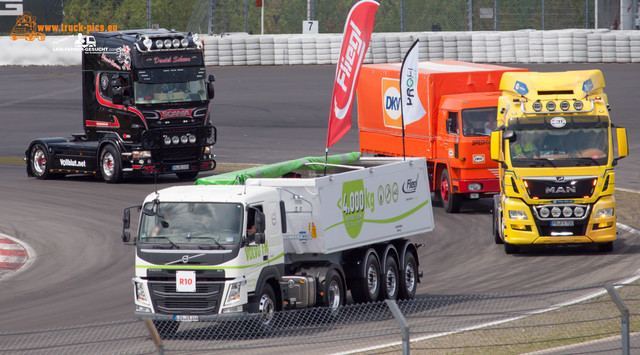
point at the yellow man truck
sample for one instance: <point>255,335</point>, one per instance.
<point>556,147</point>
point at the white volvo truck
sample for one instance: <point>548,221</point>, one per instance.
<point>281,243</point>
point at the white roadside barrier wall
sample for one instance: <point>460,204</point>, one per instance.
<point>239,49</point>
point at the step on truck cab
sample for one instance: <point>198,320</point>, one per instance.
<point>460,101</point>
<point>274,244</point>
<point>557,148</point>
<point>145,106</point>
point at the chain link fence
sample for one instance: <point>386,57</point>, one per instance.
<point>600,319</point>
<point>287,17</point>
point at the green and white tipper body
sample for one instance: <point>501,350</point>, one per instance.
<point>315,239</point>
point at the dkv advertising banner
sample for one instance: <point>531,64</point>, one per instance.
<point>355,40</point>
<point>412,109</point>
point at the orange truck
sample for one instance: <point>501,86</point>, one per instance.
<point>460,100</point>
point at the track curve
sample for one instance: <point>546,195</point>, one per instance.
<point>81,271</point>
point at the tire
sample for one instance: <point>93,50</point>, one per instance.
<point>334,293</point>
<point>511,248</point>
<point>605,247</point>
<point>496,221</point>
<point>366,288</point>
<point>39,162</point>
<point>187,175</point>
<point>110,165</point>
<point>409,277</point>
<point>267,305</point>
<point>390,279</point>
<point>450,201</point>
<point>166,328</point>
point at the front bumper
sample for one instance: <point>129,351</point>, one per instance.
<point>533,230</point>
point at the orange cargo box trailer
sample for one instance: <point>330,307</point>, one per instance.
<point>460,100</point>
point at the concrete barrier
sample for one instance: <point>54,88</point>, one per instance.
<point>523,46</point>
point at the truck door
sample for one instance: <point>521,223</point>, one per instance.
<point>114,90</point>
<point>448,141</point>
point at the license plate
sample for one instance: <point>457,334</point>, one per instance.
<point>561,223</point>
<point>186,318</point>
<point>180,167</point>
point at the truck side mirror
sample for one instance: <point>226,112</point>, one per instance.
<point>259,225</point>
<point>495,145</point>
<point>126,223</point>
<point>210,90</point>
<point>623,147</point>
<point>116,92</point>
<point>451,125</point>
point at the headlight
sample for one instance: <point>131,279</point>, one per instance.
<point>167,140</point>
<point>184,139</point>
<point>521,215</point>
<point>544,212</point>
<point>192,138</point>
<point>176,43</point>
<point>564,105</point>
<point>605,212</point>
<point>537,106</point>
<point>578,211</point>
<point>159,44</point>
<point>234,293</point>
<point>551,106</point>
<point>167,43</point>
<point>175,140</point>
<point>141,295</point>
<point>184,42</point>
<point>207,149</point>
<point>555,212</point>
<point>475,186</point>
<point>578,105</point>
<point>567,212</point>
<point>141,154</point>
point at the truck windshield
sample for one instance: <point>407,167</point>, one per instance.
<point>173,85</point>
<point>478,122</point>
<point>559,147</point>
<point>217,225</point>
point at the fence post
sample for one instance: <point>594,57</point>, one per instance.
<point>624,316</point>
<point>155,336</point>
<point>402,322</point>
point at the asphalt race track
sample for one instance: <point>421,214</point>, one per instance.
<point>81,271</point>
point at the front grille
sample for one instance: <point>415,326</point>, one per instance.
<point>546,230</point>
<point>560,187</point>
<point>205,300</point>
<point>180,153</point>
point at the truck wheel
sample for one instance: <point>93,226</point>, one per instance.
<point>409,277</point>
<point>39,160</point>
<point>450,201</point>
<point>267,305</point>
<point>187,175</point>
<point>110,166</point>
<point>367,288</point>
<point>166,328</point>
<point>511,248</point>
<point>497,223</point>
<point>391,277</point>
<point>334,295</point>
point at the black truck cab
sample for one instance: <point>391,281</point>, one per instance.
<point>145,105</point>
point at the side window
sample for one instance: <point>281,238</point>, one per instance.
<point>108,81</point>
<point>251,218</point>
<point>452,123</point>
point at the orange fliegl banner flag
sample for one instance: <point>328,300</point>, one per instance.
<point>355,40</point>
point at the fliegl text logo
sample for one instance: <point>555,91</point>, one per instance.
<point>391,110</point>
<point>354,202</point>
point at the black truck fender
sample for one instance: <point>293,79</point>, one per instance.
<point>45,142</point>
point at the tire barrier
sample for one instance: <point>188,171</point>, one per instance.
<point>239,49</point>
<point>523,46</point>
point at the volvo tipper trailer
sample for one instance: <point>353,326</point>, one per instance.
<point>557,148</point>
<point>145,107</point>
<point>460,101</point>
<point>280,243</point>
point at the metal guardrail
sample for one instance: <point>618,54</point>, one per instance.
<point>602,318</point>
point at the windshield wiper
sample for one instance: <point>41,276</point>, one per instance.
<point>535,162</point>
<point>588,160</point>
<point>220,246</point>
<point>172,244</point>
